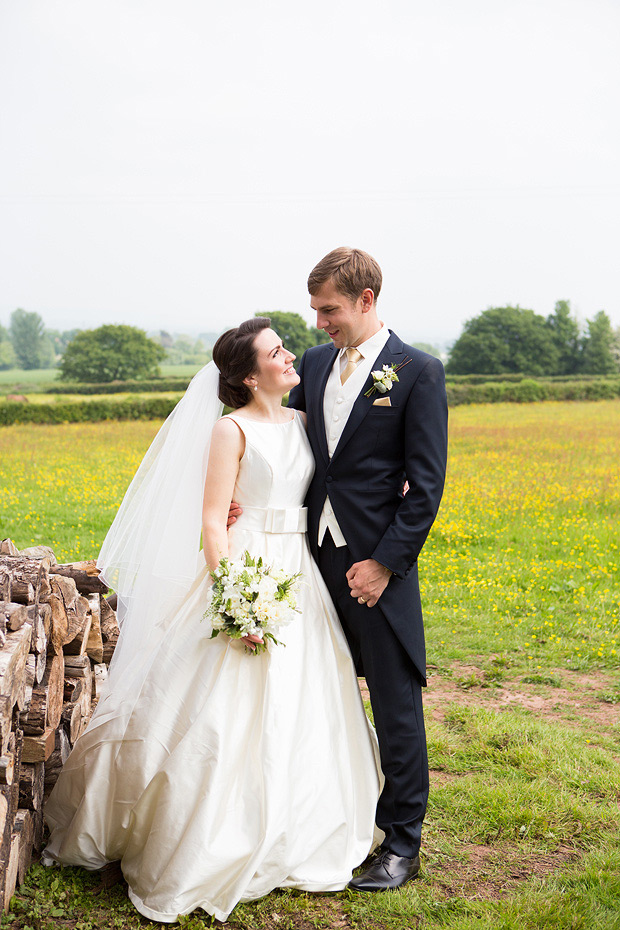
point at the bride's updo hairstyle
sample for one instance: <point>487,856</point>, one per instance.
<point>235,356</point>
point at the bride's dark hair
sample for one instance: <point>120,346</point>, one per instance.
<point>235,356</point>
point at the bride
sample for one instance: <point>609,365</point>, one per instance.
<point>213,775</point>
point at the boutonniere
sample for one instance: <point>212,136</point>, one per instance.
<point>384,378</point>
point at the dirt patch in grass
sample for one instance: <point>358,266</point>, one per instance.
<point>491,872</point>
<point>560,695</point>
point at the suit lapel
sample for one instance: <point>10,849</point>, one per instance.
<point>391,354</point>
<point>322,374</point>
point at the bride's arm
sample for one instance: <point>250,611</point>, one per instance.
<point>227,448</point>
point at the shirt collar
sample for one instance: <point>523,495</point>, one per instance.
<point>373,345</point>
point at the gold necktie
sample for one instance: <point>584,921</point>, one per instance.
<point>353,358</point>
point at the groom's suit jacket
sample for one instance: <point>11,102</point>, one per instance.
<point>379,448</point>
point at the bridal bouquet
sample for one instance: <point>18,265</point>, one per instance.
<point>250,598</point>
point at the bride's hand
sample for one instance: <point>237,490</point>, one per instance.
<point>251,640</point>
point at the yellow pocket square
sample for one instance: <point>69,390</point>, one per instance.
<point>382,402</point>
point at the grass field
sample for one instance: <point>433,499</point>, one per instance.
<point>36,398</point>
<point>28,380</point>
<point>520,587</point>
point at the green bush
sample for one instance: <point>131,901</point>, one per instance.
<point>511,377</point>
<point>526,391</point>
<point>529,390</point>
<point>87,411</point>
<point>156,385</point>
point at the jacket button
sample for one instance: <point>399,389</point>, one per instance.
<point>329,478</point>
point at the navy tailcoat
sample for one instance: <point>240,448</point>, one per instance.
<point>379,449</point>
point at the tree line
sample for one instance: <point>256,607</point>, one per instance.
<point>115,352</point>
<point>504,340</point>
<point>500,340</point>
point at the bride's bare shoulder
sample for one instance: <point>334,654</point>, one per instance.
<point>227,433</point>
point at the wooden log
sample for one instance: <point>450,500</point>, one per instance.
<point>6,722</point>
<point>10,795</point>
<point>108,651</point>
<point>78,691</point>
<point>24,828</point>
<point>39,748</point>
<point>65,587</point>
<point>39,830</point>
<point>54,764</point>
<point>31,785</point>
<point>13,656</point>
<point>39,552</point>
<point>72,722</point>
<point>5,586</point>
<point>77,619</point>
<point>47,699</point>
<point>11,871</point>
<point>109,630</point>
<point>6,768</point>
<point>75,662</point>
<point>40,666</point>
<point>100,673</point>
<point>112,601</point>
<point>40,617</point>
<point>58,624</point>
<point>94,646</point>
<point>9,812</point>
<point>4,810</point>
<point>79,644</point>
<point>15,615</point>
<point>22,592</point>
<point>85,575</point>
<point>27,575</point>
<point>8,547</point>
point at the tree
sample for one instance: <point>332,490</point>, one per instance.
<point>615,348</point>
<point>60,339</point>
<point>7,355</point>
<point>292,330</point>
<point>427,347</point>
<point>504,339</point>
<point>27,334</point>
<point>111,353</point>
<point>566,338</point>
<point>598,346</point>
<point>185,350</point>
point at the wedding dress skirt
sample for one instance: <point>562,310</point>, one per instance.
<point>231,774</point>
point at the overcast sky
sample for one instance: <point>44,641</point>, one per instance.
<point>183,164</point>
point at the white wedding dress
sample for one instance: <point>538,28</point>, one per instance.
<point>232,774</point>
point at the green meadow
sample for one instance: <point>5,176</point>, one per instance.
<point>520,581</point>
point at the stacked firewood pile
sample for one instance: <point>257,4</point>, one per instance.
<point>57,636</point>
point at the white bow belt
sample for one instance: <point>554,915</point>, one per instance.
<point>274,519</point>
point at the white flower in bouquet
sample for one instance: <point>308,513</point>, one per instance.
<point>250,598</point>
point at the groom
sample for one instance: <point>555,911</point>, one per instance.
<point>365,534</point>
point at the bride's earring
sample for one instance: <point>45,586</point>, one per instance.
<point>256,387</point>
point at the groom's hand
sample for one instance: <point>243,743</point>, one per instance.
<point>234,511</point>
<point>368,580</point>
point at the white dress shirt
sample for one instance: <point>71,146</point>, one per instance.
<point>338,402</point>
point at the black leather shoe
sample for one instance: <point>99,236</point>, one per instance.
<point>386,871</point>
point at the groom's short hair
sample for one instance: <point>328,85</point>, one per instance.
<point>351,271</point>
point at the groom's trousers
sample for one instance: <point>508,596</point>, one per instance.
<point>396,698</point>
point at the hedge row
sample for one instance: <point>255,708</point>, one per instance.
<point>155,385</point>
<point>528,390</point>
<point>157,408</point>
<point>89,411</point>
<point>487,379</point>
<point>160,385</point>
